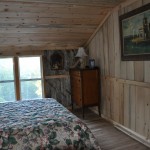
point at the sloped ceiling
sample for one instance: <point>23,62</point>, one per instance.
<point>50,24</point>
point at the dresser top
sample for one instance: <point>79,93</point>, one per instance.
<point>82,69</point>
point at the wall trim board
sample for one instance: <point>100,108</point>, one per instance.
<point>57,76</point>
<point>129,132</point>
<point>125,130</point>
<point>130,82</point>
<point>21,53</point>
<point>133,108</point>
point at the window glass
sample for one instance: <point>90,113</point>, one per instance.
<point>30,67</point>
<point>31,89</point>
<point>7,92</point>
<point>7,88</point>
<point>6,69</point>
<point>30,77</point>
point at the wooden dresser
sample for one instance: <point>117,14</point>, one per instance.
<point>85,87</point>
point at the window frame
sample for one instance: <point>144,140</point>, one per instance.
<point>35,79</point>
<point>16,73</point>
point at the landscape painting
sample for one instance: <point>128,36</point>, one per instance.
<point>135,34</point>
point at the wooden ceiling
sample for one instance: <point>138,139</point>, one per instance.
<point>50,24</point>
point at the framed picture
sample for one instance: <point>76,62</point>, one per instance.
<point>135,34</point>
<point>57,61</point>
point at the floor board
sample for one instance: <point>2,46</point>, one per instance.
<point>108,137</point>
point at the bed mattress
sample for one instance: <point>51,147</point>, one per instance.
<point>42,124</point>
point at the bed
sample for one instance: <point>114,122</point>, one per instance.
<point>42,124</point>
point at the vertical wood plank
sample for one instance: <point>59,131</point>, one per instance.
<point>148,107</point>
<point>139,71</point>
<point>116,101</point>
<point>127,105</point>
<point>116,44</point>
<point>111,46</point>
<point>101,52</point>
<point>123,70</point>
<point>140,110</point>
<point>148,121</point>
<point>92,50</point>
<point>147,113</point>
<point>147,71</point>
<point>108,98</point>
<point>130,70</point>
<point>103,102</point>
<point>121,103</point>
<point>106,55</point>
<point>89,49</point>
<point>123,65</point>
<point>97,56</point>
<point>133,107</point>
<point>112,100</point>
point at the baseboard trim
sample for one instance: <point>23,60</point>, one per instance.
<point>129,132</point>
<point>94,110</point>
<point>125,130</point>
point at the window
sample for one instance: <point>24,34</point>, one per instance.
<point>7,86</point>
<point>26,81</point>
<point>30,77</point>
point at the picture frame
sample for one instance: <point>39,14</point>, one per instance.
<point>135,34</point>
<point>91,63</point>
<point>57,61</point>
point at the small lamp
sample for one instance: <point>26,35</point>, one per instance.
<point>81,54</point>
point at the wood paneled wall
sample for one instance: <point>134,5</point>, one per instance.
<point>125,85</point>
<point>57,82</point>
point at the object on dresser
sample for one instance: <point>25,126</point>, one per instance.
<point>85,88</point>
<point>91,63</point>
<point>81,58</point>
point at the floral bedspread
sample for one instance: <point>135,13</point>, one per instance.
<point>42,124</point>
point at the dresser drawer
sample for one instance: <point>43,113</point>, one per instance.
<point>75,73</point>
<point>85,86</point>
<point>77,98</point>
<point>75,81</point>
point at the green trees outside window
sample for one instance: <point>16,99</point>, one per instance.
<point>30,78</point>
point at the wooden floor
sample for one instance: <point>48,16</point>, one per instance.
<point>108,137</point>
